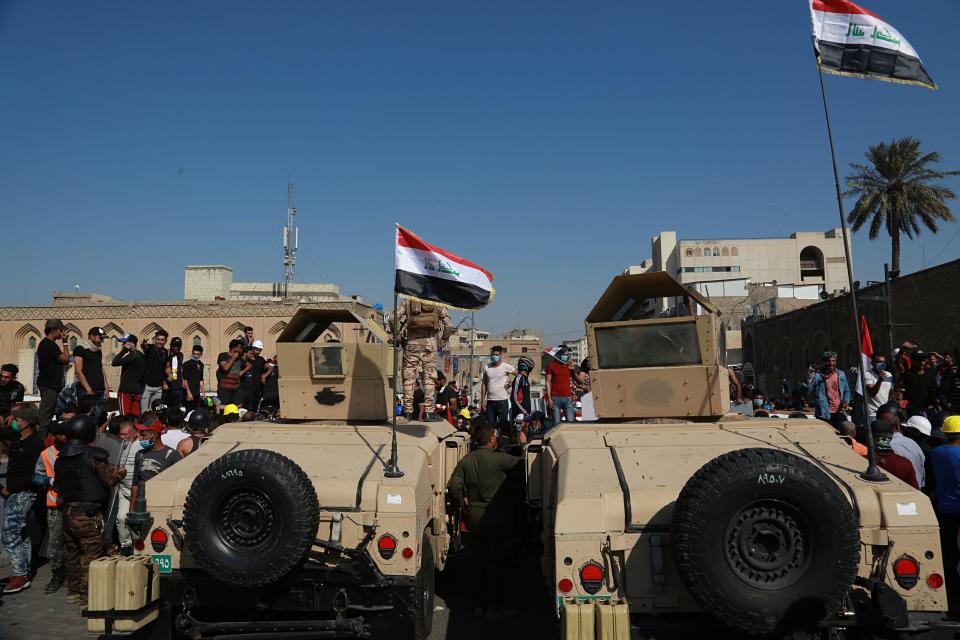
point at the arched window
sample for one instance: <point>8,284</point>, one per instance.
<point>734,251</point>
<point>197,341</point>
<point>725,251</point>
<point>32,342</point>
<point>73,342</point>
<point>688,253</point>
<point>811,264</point>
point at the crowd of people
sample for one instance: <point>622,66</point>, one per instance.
<point>77,458</point>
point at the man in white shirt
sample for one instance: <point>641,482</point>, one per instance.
<point>879,382</point>
<point>901,444</point>
<point>495,390</point>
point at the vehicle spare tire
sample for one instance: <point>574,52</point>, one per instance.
<point>250,517</point>
<point>765,541</point>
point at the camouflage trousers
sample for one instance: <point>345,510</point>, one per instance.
<point>82,543</point>
<point>420,355</point>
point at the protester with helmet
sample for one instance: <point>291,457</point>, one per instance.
<point>23,449</point>
<point>198,423</point>
<point>520,389</point>
<point>920,430</point>
<point>946,467</point>
<point>83,478</point>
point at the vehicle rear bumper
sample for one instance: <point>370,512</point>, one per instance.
<point>609,618</point>
<point>314,602</point>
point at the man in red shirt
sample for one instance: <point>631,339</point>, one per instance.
<point>559,391</point>
<point>896,464</point>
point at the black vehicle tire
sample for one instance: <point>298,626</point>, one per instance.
<point>423,600</point>
<point>250,517</point>
<point>765,541</point>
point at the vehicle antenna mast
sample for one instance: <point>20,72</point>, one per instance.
<point>291,240</point>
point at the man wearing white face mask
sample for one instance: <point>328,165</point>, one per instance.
<point>494,392</point>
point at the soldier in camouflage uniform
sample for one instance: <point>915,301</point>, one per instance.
<point>82,478</point>
<point>422,329</point>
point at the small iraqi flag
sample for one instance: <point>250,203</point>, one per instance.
<point>852,41</point>
<point>432,274</point>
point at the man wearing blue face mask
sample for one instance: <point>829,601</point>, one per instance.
<point>559,388</point>
<point>879,383</point>
<point>153,456</point>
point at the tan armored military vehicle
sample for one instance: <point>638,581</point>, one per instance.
<point>670,517</point>
<point>292,530</point>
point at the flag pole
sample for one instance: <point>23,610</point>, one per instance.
<point>393,468</point>
<point>873,473</point>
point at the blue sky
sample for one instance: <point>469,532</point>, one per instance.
<point>547,141</point>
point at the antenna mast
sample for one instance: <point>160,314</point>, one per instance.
<point>291,240</point>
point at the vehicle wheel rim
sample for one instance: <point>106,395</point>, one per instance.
<point>246,519</point>
<point>768,544</point>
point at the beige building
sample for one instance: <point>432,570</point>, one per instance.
<point>803,258</point>
<point>518,342</point>
<point>215,282</point>
<point>209,318</point>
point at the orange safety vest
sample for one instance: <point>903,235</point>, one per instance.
<point>49,457</point>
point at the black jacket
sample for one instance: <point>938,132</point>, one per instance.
<point>132,365</point>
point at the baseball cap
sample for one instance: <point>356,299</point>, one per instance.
<point>128,338</point>
<point>257,344</point>
<point>231,409</point>
<point>52,324</point>
<point>156,426</point>
<point>96,331</point>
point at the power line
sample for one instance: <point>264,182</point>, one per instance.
<point>945,247</point>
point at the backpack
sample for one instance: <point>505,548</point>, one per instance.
<point>422,316</point>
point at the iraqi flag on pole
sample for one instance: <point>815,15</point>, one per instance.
<point>852,41</point>
<point>429,273</point>
<point>866,350</point>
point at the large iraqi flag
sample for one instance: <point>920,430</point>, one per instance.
<point>429,273</point>
<point>852,41</point>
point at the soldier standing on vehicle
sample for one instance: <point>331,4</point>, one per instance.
<point>481,485</point>
<point>83,478</point>
<point>421,328</point>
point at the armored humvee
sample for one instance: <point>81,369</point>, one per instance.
<point>292,530</point>
<point>670,517</point>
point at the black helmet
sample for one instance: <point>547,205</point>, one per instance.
<point>199,420</point>
<point>176,342</point>
<point>82,428</point>
<point>174,415</point>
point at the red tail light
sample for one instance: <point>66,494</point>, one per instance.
<point>907,571</point>
<point>565,585</point>
<point>158,540</point>
<point>387,546</point>
<point>407,553</point>
<point>138,545</point>
<point>934,580</point>
<point>591,577</point>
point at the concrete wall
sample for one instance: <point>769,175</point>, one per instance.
<point>207,282</point>
<point>926,309</point>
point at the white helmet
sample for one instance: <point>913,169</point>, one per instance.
<point>921,424</point>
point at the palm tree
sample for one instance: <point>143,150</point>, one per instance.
<point>897,191</point>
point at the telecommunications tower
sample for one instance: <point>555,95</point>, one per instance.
<point>291,240</point>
